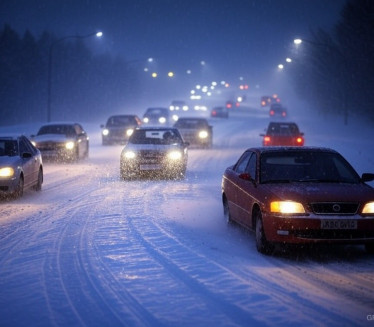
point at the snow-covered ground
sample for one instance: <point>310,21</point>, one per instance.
<point>93,250</point>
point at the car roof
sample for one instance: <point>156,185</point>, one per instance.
<point>273,123</point>
<point>11,136</point>
<point>273,149</point>
<point>61,123</point>
<point>155,128</point>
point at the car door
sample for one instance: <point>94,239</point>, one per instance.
<point>245,189</point>
<point>236,188</point>
<point>82,139</point>
<point>30,164</point>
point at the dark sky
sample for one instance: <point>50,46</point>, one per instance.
<point>233,37</point>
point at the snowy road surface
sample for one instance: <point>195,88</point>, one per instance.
<point>92,250</point>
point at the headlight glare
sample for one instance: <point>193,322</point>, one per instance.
<point>6,172</point>
<point>129,132</point>
<point>105,132</point>
<point>287,207</point>
<point>69,145</point>
<point>146,119</point>
<point>129,154</point>
<point>203,134</point>
<point>175,155</point>
<point>162,120</point>
<point>368,208</point>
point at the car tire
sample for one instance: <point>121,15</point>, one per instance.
<point>38,185</point>
<point>19,190</point>
<point>369,247</point>
<point>226,210</point>
<point>262,244</point>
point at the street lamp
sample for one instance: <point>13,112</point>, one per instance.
<point>50,54</point>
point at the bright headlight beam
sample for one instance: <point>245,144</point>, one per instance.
<point>129,155</point>
<point>6,172</point>
<point>286,207</point>
<point>69,145</point>
<point>175,155</point>
<point>368,208</point>
<point>105,131</point>
<point>203,134</point>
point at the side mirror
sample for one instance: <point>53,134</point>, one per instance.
<point>367,177</point>
<point>102,126</point>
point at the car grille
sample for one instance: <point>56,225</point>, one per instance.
<point>151,156</point>
<point>50,146</point>
<point>335,208</point>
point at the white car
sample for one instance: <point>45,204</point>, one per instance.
<point>21,165</point>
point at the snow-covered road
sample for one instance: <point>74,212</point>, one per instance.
<point>92,250</point>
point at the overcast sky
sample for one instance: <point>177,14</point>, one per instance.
<point>233,37</point>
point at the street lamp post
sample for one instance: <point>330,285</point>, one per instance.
<point>334,49</point>
<point>50,55</point>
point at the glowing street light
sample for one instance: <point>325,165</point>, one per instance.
<point>50,54</point>
<point>170,74</point>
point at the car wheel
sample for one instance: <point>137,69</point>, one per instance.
<point>262,244</point>
<point>38,185</point>
<point>19,191</point>
<point>369,247</point>
<point>226,210</point>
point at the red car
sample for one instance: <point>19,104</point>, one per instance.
<point>284,134</point>
<point>277,109</point>
<point>299,195</point>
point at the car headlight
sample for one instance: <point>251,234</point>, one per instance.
<point>185,108</point>
<point>33,143</point>
<point>129,154</point>
<point>368,208</point>
<point>69,145</point>
<point>6,172</point>
<point>175,155</point>
<point>203,134</point>
<point>175,117</point>
<point>105,132</point>
<point>162,120</point>
<point>287,207</point>
<point>146,119</point>
<point>129,132</point>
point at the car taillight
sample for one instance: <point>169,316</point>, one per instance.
<point>267,140</point>
<point>299,140</point>
<point>229,105</point>
<point>214,113</point>
<point>237,104</point>
<point>263,103</point>
<point>284,114</point>
<point>271,112</point>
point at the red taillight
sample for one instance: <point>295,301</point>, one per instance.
<point>271,112</point>
<point>263,103</point>
<point>284,114</point>
<point>214,113</point>
<point>229,105</point>
<point>237,104</point>
<point>267,140</point>
<point>300,140</point>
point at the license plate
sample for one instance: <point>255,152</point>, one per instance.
<point>338,224</point>
<point>150,167</point>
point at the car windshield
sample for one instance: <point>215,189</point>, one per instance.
<point>160,136</point>
<point>8,148</point>
<point>190,123</point>
<point>120,121</point>
<point>156,112</point>
<point>306,166</point>
<point>67,130</point>
<point>283,129</point>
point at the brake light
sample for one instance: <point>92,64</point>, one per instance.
<point>263,103</point>
<point>299,140</point>
<point>214,113</point>
<point>271,112</point>
<point>229,105</point>
<point>284,114</point>
<point>267,140</point>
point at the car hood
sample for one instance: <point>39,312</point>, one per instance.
<point>9,161</point>
<point>52,138</point>
<point>321,192</point>
<point>155,147</point>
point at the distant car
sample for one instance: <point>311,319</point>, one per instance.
<point>299,195</point>
<point>219,112</point>
<point>118,128</point>
<point>62,141</point>
<point>284,134</point>
<point>267,100</point>
<point>276,109</point>
<point>154,152</point>
<point>179,105</point>
<point>157,116</point>
<point>21,165</point>
<point>196,131</point>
